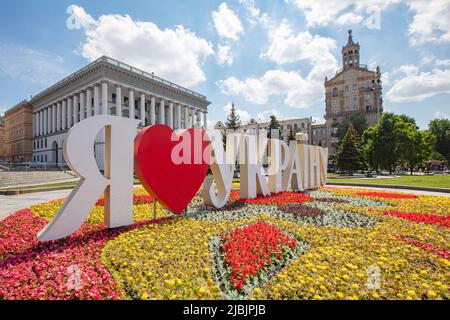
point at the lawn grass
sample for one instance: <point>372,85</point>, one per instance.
<point>418,181</point>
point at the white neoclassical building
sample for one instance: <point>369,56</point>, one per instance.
<point>108,86</point>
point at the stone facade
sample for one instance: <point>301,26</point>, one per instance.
<point>353,89</point>
<point>2,139</point>
<point>318,134</point>
<point>301,127</point>
<point>19,133</point>
<point>108,86</point>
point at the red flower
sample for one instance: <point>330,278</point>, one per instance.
<point>443,252</point>
<point>70,268</point>
<point>421,217</point>
<point>250,249</point>
<point>275,198</point>
<point>387,195</point>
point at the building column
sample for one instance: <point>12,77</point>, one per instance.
<point>193,118</point>
<point>50,117</point>
<point>33,125</point>
<point>118,101</point>
<point>69,112</point>
<point>96,99</point>
<point>104,97</point>
<point>186,117</point>
<point>152,110</point>
<point>64,115</point>
<point>75,109</point>
<point>205,119</point>
<point>54,118</point>
<point>162,111</point>
<point>82,104</point>
<point>142,109</point>
<point>45,121</point>
<point>170,115</point>
<point>41,125</point>
<point>131,103</point>
<point>178,117</point>
<point>88,102</point>
<point>58,116</point>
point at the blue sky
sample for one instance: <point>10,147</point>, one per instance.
<point>268,57</point>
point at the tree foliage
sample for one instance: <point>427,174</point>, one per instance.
<point>350,156</point>
<point>396,140</point>
<point>357,120</point>
<point>440,129</point>
<point>233,120</point>
<point>274,125</point>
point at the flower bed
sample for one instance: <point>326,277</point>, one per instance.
<point>346,248</point>
<point>421,217</point>
<point>392,195</point>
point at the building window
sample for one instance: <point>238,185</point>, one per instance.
<point>334,93</point>
<point>303,125</point>
<point>295,127</point>
<point>355,86</point>
<point>113,98</point>
<point>346,88</point>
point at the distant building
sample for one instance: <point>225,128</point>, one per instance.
<point>19,133</point>
<point>2,139</point>
<point>300,127</point>
<point>319,134</point>
<point>108,86</point>
<point>353,89</point>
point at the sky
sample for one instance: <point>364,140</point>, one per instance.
<point>266,57</point>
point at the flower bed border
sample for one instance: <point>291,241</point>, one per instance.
<point>219,269</point>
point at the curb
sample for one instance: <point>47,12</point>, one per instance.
<point>16,192</point>
<point>443,190</point>
<point>24,191</point>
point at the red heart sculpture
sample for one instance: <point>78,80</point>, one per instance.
<point>172,184</point>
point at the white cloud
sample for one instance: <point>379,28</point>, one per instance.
<point>254,14</point>
<point>349,18</point>
<point>444,62</point>
<point>78,18</point>
<point>244,116</point>
<point>264,116</point>
<point>298,92</point>
<point>441,115</point>
<point>29,65</point>
<point>416,87</point>
<point>224,55</point>
<point>226,22</point>
<point>175,54</point>
<point>318,120</point>
<point>287,47</point>
<point>340,12</point>
<point>431,22</point>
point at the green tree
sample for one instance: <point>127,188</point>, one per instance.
<point>233,120</point>
<point>382,141</point>
<point>358,121</point>
<point>273,125</point>
<point>291,135</point>
<point>440,128</point>
<point>350,154</point>
<point>415,146</point>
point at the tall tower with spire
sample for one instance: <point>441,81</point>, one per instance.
<point>354,89</point>
<point>350,53</point>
